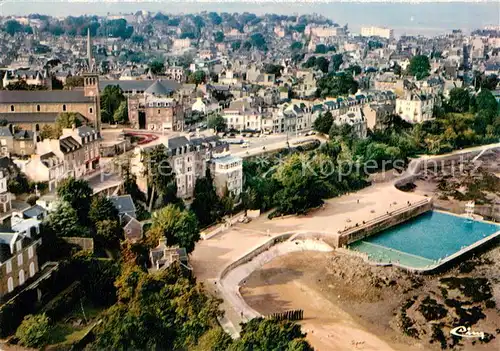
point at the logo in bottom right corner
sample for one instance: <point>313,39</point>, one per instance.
<point>466,332</point>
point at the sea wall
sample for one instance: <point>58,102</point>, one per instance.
<point>255,252</point>
<point>384,222</point>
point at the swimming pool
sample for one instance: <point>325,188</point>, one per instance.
<point>425,240</point>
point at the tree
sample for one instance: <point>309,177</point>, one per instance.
<point>302,183</point>
<point>157,67</point>
<point>268,334</point>
<point>337,61</point>
<point>214,339</point>
<point>34,331</point>
<point>66,120</point>
<point>161,311</point>
<point>236,45</point>
<point>320,49</point>
<point>219,37</point>
<point>111,99</point>
<point>258,41</point>
<point>419,66</point>
<point>215,18</point>
<point>178,227</point>
<point>296,46</point>
<point>323,123</point>
<point>121,114</point>
<point>459,100</point>
<point>78,194</point>
<point>102,209</point>
<point>322,64</point>
<point>159,174</point>
<point>356,69</point>
<point>63,222</point>
<point>334,85</point>
<point>206,204</point>
<point>197,77</point>
<point>217,122</point>
<point>23,85</point>
<point>270,68</point>
<point>73,82</point>
<point>109,232</point>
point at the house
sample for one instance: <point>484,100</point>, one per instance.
<point>5,195</point>
<point>240,115</point>
<point>46,167</point>
<point>227,174</point>
<point>354,118</point>
<point>124,205</point>
<point>415,107</point>
<point>376,113</point>
<point>18,260</point>
<point>69,150</point>
<point>156,109</point>
<point>16,144</point>
<point>35,212</point>
<point>132,228</point>
<point>90,139</point>
<point>188,162</point>
<point>163,256</point>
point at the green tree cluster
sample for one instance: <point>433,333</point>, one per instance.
<point>113,105</point>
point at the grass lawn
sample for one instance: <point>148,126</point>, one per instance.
<point>65,333</point>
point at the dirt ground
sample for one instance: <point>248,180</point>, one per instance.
<point>349,305</point>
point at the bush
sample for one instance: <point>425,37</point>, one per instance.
<point>34,331</point>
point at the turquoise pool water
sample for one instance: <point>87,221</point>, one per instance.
<point>424,240</point>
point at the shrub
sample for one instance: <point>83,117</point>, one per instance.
<point>34,331</point>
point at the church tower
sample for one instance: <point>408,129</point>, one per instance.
<point>91,84</point>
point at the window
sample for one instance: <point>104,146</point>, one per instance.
<point>38,108</point>
<point>10,284</point>
<point>90,110</point>
<point>30,252</point>
<point>3,142</point>
<point>19,246</point>
<point>64,107</point>
<point>9,267</point>
<point>21,277</point>
<point>11,108</point>
<point>20,259</point>
<point>32,269</point>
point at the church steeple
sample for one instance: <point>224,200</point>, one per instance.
<point>89,52</point>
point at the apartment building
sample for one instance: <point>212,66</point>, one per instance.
<point>19,143</point>
<point>240,115</point>
<point>18,260</point>
<point>415,107</point>
<point>90,139</point>
<point>381,32</point>
<point>227,174</point>
<point>354,118</point>
<point>46,167</point>
<point>188,160</point>
<point>156,109</point>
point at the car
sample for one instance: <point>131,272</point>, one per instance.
<point>250,135</point>
<point>245,145</point>
<point>243,135</point>
<point>232,135</point>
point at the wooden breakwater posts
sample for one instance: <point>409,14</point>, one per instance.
<point>292,315</point>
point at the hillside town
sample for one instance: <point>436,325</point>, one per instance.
<point>143,154</point>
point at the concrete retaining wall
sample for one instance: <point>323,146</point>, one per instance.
<point>255,252</point>
<point>384,222</point>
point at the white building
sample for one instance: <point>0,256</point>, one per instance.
<point>373,31</point>
<point>227,173</point>
<point>415,108</point>
<point>355,118</point>
<point>240,115</point>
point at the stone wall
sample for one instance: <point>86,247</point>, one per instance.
<point>384,222</point>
